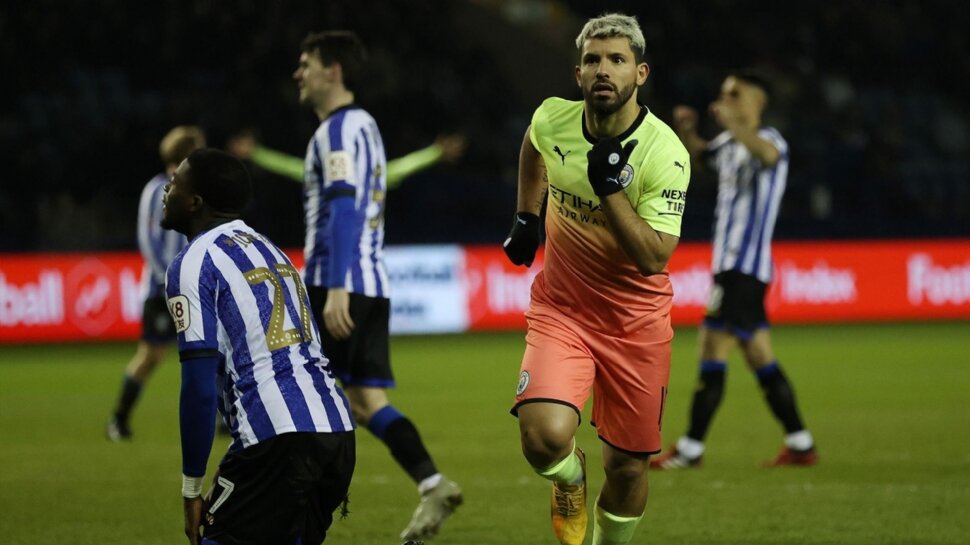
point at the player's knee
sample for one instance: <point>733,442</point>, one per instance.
<point>362,410</point>
<point>361,415</point>
<point>142,368</point>
<point>150,363</point>
<point>365,402</point>
<point>155,353</point>
<point>544,444</point>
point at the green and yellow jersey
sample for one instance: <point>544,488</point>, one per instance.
<point>586,272</point>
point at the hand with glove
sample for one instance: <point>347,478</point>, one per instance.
<point>604,164</point>
<point>523,239</point>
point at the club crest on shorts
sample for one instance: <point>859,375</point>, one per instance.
<point>523,383</point>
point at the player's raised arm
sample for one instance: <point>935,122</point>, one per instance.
<point>760,148</point>
<point>685,125</point>
<point>648,248</point>
<point>523,239</point>
<point>732,110</point>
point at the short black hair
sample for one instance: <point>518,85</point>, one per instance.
<point>340,46</point>
<point>220,179</point>
<point>756,78</point>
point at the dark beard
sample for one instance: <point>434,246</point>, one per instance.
<point>606,108</point>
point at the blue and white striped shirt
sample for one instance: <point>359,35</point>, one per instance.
<point>234,295</point>
<point>748,198</point>
<point>345,159</point>
<point>158,246</point>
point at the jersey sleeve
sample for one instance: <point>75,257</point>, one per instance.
<point>331,145</point>
<point>664,178</point>
<point>147,204</point>
<point>538,125</point>
<point>191,289</point>
<point>776,139</point>
<point>709,154</point>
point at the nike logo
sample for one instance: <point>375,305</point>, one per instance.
<point>561,154</point>
<point>678,164</point>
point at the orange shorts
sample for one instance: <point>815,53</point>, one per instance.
<point>628,375</point>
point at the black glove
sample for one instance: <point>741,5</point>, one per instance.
<point>604,164</point>
<point>523,239</point>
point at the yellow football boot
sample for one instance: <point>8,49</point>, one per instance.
<point>569,515</point>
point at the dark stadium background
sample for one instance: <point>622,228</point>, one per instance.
<point>872,96</point>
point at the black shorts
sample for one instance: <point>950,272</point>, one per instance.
<point>737,304</point>
<point>363,359</point>
<point>157,326</point>
<point>281,489</point>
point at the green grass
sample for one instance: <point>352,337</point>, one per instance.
<point>888,405</point>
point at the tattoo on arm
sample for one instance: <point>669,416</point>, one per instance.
<point>545,188</point>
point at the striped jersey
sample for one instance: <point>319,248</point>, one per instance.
<point>158,246</point>
<point>344,158</point>
<point>586,273</point>
<point>748,198</point>
<point>234,294</point>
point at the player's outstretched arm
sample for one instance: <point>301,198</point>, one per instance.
<point>277,162</point>
<point>447,147</point>
<point>244,146</point>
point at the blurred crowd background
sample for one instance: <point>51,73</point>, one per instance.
<point>873,97</point>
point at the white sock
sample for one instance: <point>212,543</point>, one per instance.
<point>429,483</point>
<point>690,448</point>
<point>800,440</point>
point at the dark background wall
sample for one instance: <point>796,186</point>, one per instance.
<point>872,96</point>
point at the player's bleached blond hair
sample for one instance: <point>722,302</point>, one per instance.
<point>179,143</point>
<point>614,25</point>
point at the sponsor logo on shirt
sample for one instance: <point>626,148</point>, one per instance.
<point>675,202</point>
<point>561,154</point>
<point>338,166</point>
<point>178,307</point>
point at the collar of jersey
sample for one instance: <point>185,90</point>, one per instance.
<point>350,106</point>
<point>626,134</point>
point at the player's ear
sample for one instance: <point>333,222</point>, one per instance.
<point>579,81</point>
<point>336,71</point>
<point>761,99</point>
<point>643,72</point>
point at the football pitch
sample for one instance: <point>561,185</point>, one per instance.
<point>889,406</point>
